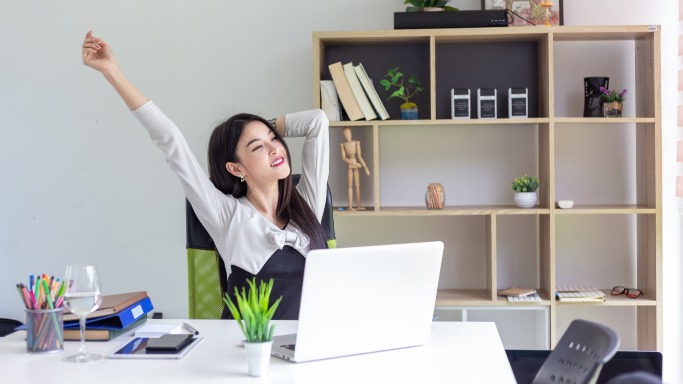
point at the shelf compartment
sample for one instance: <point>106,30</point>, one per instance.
<point>584,58</point>
<point>627,321</point>
<point>518,251</point>
<point>482,159</point>
<point>587,174</point>
<point>488,66</point>
<point>377,57</point>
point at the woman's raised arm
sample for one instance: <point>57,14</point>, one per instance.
<point>98,55</point>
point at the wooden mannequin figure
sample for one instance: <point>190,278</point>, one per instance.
<point>351,154</point>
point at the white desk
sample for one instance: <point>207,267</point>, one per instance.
<point>458,352</point>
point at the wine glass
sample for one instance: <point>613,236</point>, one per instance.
<point>82,297</point>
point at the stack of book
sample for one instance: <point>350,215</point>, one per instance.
<point>350,84</point>
<point>117,315</point>
<point>580,294</point>
<point>521,294</point>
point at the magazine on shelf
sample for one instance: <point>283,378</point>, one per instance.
<point>534,297</point>
<point>579,294</point>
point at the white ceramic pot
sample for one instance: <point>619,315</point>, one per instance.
<point>258,358</point>
<point>526,199</point>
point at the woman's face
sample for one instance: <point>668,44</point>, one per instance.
<point>262,157</point>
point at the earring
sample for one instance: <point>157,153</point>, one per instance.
<point>242,178</point>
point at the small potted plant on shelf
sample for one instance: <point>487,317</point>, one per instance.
<point>428,6</point>
<point>396,79</point>
<point>253,313</point>
<point>612,102</point>
<point>525,191</point>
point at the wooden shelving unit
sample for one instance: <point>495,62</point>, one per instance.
<point>529,58</point>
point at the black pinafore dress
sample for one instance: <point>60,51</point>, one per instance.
<point>286,268</point>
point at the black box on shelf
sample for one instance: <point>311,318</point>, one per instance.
<point>518,105</point>
<point>486,103</point>
<point>460,103</point>
<point>451,19</point>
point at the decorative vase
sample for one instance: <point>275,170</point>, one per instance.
<point>591,93</point>
<point>431,9</point>
<point>435,196</point>
<point>408,111</point>
<point>612,108</point>
<point>258,357</point>
<point>526,199</point>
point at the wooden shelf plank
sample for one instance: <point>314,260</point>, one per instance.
<point>438,122</point>
<point>618,301</point>
<point>447,211</point>
<point>602,120</point>
<point>605,209</point>
<point>458,298</point>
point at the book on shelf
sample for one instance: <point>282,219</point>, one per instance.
<point>533,297</point>
<point>580,294</point>
<point>111,304</point>
<point>348,100</point>
<point>514,291</point>
<point>102,334</point>
<point>329,100</point>
<point>370,91</point>
<point>358,92</point>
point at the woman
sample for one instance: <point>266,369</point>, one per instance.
<point>262,225</point>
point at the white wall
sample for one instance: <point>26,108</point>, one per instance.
<point>80,180</point>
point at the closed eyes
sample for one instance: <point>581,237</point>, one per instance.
<point>272,139</point>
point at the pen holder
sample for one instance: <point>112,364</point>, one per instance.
<point>44,330</point>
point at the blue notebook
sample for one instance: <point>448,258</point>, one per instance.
<point>118,320</point>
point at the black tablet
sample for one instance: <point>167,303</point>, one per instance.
<point>169,343</point>
<point>137,349</point>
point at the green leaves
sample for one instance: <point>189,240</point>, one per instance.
<point>395,78</point>
<point>426,3</point>
<point>252,312</point>
<point>525,184</point>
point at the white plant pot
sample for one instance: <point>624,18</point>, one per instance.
<point>526,199</point>
<point>258,358</point>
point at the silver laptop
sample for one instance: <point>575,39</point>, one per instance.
<point>364,299</point>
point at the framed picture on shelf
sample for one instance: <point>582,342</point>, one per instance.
<point>493,4</point>
<point>529,12</point>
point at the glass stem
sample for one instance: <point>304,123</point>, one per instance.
<point>81,349</point>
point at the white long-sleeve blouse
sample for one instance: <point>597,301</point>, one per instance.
<point>243,236</point>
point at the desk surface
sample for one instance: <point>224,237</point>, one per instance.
<point>465,352</point>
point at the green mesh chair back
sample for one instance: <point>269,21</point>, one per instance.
<point>207,279</point>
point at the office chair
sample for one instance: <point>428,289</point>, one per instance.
<point>207,279</point>
<point>579,355</point>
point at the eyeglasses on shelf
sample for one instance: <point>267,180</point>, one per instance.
<point>631,293</point>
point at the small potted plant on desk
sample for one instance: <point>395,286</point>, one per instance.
<point>395,78</point>
<point>525,191</point>
<point>253,315</point>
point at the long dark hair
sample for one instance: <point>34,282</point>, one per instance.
<point>291,207</point>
